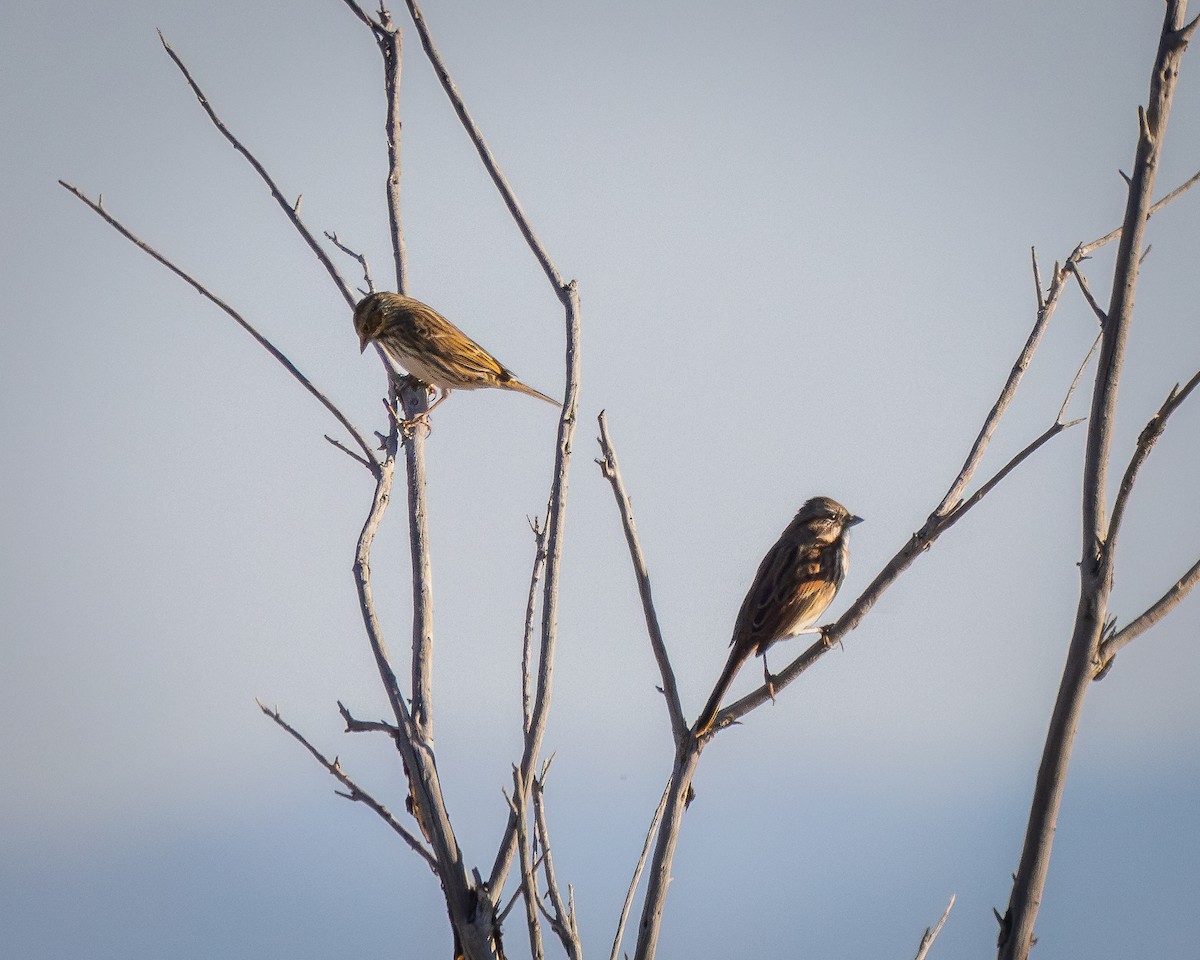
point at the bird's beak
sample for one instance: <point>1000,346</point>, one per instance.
<point>852,520</point>
<point>362,344</point>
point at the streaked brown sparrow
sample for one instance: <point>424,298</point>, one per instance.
<point>796,581</point>
<point>430,347</point>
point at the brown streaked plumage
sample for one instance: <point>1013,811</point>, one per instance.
<point>430,347</point>
<point>796,581</point>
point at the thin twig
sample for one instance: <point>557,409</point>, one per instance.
<point>356,793</point>
<point>528,878</point>
<point>539,563</point>
<point>1062,411</point>
<point>611,471</point>
<point>1087,293</point>
<point>390,42</point>
<point>931,935</point>
<point>563,922</point>
<point>637,874</point>
<point>1145,443</point>
<point>373,464</point>
<point>1007,392</point>
<point>367,726</point>
<point>1037,279</point>
<point>1159,609</point>
<point>1088,249</point>
<point>555,525</point>
<point>292,210</point>
<point>354,254</point>
<point>346,450</point>
<point>363,16</point>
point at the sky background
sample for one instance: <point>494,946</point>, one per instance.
<point>801,233</point>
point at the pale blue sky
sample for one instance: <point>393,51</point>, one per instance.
<point>801,233</point>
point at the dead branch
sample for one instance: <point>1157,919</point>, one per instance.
<point>611,471</point>
<point>372,460</point>
<point>290,209</point>
<point>356,793</point>
<point>931,935</point>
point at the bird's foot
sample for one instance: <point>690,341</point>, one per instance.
<point>769,680</point>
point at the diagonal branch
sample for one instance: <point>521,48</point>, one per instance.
<point>539,564</point>
<point>555,525</point>
<point>917,544</point>
<point>1159,609</point>
<point>356,793</point>
<point>290,209</point>
<point>637,874</point>
<point>612,473</point>
<point>563,921</point>
<point>1088,249</point>
<point>1145,443</point>
<point>485,153</point>
<point>97,206</point>
<point>931,934</point>
<point>529,892</point>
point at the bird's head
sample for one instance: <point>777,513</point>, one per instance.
<point>826,518</point>
<point>370,317</point>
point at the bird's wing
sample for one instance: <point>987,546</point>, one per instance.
<point>792,588</point>
<point>445,339</point>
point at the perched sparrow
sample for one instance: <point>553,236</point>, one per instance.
<point>430,347</point>
<point>796,581</point>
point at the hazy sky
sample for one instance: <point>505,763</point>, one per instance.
<point>801,233</point>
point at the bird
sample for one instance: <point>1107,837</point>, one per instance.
<point>796,581</point>
<point>430,347</point>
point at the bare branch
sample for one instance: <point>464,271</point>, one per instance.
<point>1087,293</point>
<point>373,464</point>
<point>354,254</point>
<point>1159,609</point>
<point>1096,556</point>
<point>611,471</point>
<point>1145,442</point>
<point>992,421</point>
<point>539,563</point>
<point>1088,249</point>
<point>917,544</point>
<point>485,153</point>
<point>528,878</point>
<point>363,16</point>
<point>415,401</point>
<point>555,525</point>
<point>1037,280</point>
<point>365,726</point>
<point>931,935</point>
<point>1062,411</point>
<point>563,922</point>
<point>391,49</point>
<point>356,792</point>
<point>347,451</point>
<point>637,874</point>
<point>291,210</point>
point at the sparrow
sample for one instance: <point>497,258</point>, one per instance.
<point>430,347</point>
<point>796,581</point>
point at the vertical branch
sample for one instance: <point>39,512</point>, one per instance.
<point>390,46</point>
<point>413,400</point>
<point>687,756</point>
<point>529,892</point>
<point>555,522</point>
<point>1096,561</point>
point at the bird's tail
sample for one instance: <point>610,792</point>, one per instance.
<point>514,384</point>
<point>737,657</point>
